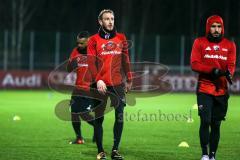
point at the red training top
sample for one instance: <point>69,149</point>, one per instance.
<point>108,59</point>
<point>84,79</point>
<point>207,55</point>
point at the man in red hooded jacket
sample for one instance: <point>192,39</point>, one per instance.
<point>214,58</point>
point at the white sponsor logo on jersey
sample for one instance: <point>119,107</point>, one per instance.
<point>208,49</point>
<point>111,52</point>
<point>224,49</point>
<point>82,65</point>
<point>215,57</point>
<point>110,48</point>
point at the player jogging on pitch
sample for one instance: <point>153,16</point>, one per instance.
<point>107,59</point>
<point>214,58</point>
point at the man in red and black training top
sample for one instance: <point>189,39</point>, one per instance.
<point>214,58</point>
<point>81,104</point>
<point>109,64</point>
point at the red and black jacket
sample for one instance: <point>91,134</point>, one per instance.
<point>84,79</point>
<point>108,58</point>
<point>207,55</point>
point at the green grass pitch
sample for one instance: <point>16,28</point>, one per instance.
<point>153,129</point>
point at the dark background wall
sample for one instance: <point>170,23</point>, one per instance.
<point>49,28</point>
<point>165,17</point>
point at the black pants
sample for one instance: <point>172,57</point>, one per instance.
<point>212,110</point>
<point>117,97</point>
<point>81,107</point>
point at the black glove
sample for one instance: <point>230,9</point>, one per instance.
<point>228,77</point>
<point>72,65</point>
<point>216,73</point>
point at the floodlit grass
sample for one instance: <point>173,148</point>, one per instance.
<point>153,129</point>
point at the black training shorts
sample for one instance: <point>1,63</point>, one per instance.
<point>212,108</point>
<point>81,104</point>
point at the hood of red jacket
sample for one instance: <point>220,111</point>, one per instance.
<point>214,19</point>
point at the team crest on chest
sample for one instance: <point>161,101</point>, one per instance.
<point>109,46</point>
<point>216,47</point>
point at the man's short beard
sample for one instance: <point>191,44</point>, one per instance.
<point>106,30</point>
<point>217,39</point>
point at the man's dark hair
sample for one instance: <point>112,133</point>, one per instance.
<point>83,34</point>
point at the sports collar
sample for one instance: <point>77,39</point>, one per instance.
<point>105,34</point>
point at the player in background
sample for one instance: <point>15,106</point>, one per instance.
<point>80,105</point>
<point>213,57</point>
<point>109,64</point>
